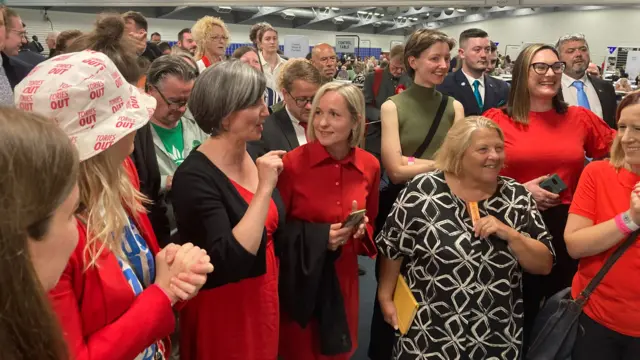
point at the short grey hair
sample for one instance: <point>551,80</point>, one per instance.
<point>170,65</point>
<point>53,35</point>
<point>223,89</point>
<point>571,37</point>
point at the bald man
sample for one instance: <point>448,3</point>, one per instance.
<point>324,58</point>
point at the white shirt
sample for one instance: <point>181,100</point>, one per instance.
<point>272,75</point>
<point>570,93</point>
<point>471,80</point>
<point>300,132</point>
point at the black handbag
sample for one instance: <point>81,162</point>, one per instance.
<point>556,327</point>
<point>388,190</point>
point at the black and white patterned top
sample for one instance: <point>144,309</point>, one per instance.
<point>468,289</point>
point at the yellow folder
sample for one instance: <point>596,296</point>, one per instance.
<point>406,305</point>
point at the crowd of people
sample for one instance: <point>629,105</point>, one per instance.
<point>168,203</point>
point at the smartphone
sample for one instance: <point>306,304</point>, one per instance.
<point>354,218</point>
<point>554,184</point>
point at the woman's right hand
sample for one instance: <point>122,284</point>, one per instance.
<point>338,236</point>
<point>389,312</point>
<point>175,275</point>
<point>269,168</point>
<point>544,199</point>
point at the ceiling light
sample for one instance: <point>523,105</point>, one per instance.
<point>414,19</point>
<point>377,24</point>
<point>335,9</point>
<point>451,9</point>
<point>338,20</point>
<point>370,13</point>
<point>462,10</point>
<point>287,15</point>
<point>362,12</point>
<point>223,9</point>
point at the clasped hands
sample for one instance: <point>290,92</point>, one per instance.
<point>339,235</point>
<point>181,271</point>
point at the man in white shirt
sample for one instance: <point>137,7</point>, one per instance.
<point>470,85</point>
<point>286,129</point>
<point>578,87</point>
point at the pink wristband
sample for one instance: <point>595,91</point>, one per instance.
<point>621,225</point>
<point>411,160</point>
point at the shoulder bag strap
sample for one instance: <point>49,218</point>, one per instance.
<point>434,127</point>
<point>584,295</point>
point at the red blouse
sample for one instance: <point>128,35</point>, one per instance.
<point>317,188</point>
<point>237,321</point>
<point>552,143</point>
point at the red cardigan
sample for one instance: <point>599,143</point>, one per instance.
<point>100,316</point>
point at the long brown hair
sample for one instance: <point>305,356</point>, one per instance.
<point>108,37</point>
<point>40,167</point>
<point>519,102</point>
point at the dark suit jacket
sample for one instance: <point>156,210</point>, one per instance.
<point>207,207</point>
<point>277,134</point>
<point>144,158</point>
<point>456,85</point>
<point>373,136</point>
<point>30,57</point>
<point>15,69</point>
<point>607,95</point>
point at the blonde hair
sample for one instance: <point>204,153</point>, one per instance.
<point>202,29</point>
<point>298,69</point>
<point>617,153</point>
<point>355,104</point>
<point>105,188</point>
<point>449,157</point>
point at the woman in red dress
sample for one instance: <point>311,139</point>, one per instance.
<point>321,184</point>
<point>225,203</point>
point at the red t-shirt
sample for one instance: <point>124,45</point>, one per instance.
<point>604,192</point>
<point>552,143</point>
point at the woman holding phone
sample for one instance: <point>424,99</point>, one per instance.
<point>322,183</point>
<point>544,136</point>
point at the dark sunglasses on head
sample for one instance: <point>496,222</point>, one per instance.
<point>541,68</point>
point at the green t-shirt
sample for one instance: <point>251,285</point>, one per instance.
<point>173,141</point>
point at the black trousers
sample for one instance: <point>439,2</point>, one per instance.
<point>382,336</point>
<point>596,342</point>
<point>537,288</point>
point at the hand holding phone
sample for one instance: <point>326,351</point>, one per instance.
<point>354,218</point>
<point>553,184</point>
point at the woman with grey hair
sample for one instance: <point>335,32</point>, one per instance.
<point>461,236</point>
<point>226,203</point>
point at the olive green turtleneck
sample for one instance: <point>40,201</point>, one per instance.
<point>417,107</point>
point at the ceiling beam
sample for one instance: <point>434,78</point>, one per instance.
<point>366,20</point>
<point>435,22</point>
<point>262,12</point>
<point>329,14</point>
<point>176,10</point>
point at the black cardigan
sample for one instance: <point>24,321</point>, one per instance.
<point>207,207</point>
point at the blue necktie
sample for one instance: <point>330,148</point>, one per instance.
<point>582,96</point>
<point>476,93</point>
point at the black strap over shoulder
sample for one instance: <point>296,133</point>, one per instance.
<point>434,127</point>
<point>584,295</point>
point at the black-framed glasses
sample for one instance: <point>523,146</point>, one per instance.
<point>302,101</point>
<point>172,105</point>
<point>541,68</point>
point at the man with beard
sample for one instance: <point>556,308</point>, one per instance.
<point>324,58</point>
<point>470,85</point>
<point>186,42</point>
<point>580,88</point>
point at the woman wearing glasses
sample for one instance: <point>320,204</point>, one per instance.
<point>545,136</point>
<point>212,37</point>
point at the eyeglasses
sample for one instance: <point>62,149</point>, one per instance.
<point>172,105</point>
<point>219,37</point>
<point>541,68</point>
<point>20,33</point>
<point>301,102</point>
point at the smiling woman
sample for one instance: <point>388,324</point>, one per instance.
<point>431,232</point>
<point>545,136</point>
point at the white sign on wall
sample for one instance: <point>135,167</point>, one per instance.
<point>633,64</point>
<point>345,45</point>
<point>296,46</point>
